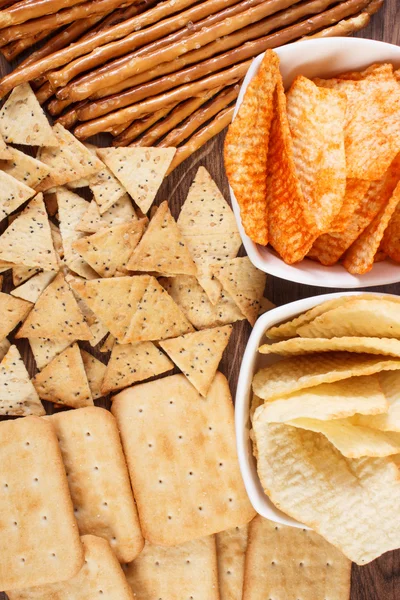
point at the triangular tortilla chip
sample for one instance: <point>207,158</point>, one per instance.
<point>13,193</point>
<point>162,248</point>
<point>157,316</point>
<point>18,397</point>
<point>198,354</point>
<point>56,315</point>
<point>130,363</point>
<point>70,161</point>
<point>244,283</point>
<point>105,187</point>
<point>64,381</point>
<point>71,207</point>
<point>22,120</point>
<point>44,350</point>
<point>1,282</point>
<point>97,328</point>
<point>114,300</point>
<point>5,152</point>
<point>21,274</point>
<point>108,345</point>
<point>246,149</point>
<point>120,212</point>
<point>12,311</point>
<point>109,249</point>
<point>95,371</point>
<point>27,241</point>
<point>31,289</point>
<point>57,240</point>
<point>25,168</point>
<point>4,347</point>
<point>140,170</point>
<point>209,229</point>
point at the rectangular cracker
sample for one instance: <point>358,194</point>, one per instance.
<point>231,553</point>
<point>40,540</point>
<point>184,471</point>
<point>98,478</point>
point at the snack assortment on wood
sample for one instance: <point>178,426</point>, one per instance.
<point>329,187</point>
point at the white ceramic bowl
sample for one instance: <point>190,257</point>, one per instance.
<point>251,363</point>
<point>322,58</point>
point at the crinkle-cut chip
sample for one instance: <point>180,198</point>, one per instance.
<point>244,283</point>
<point>44,350</point>
<point>31,289</point>
<point>352,441</point>
<point>231,554</point>
<point>305,345</point>
<point>380,71</point>
<point>246,149</point>
<point>352,503</point>
<point>329,247</point>
<point>25,168</point>
<point>109,250</point>
<point>162,248</point>
<point>291,228</point>
<point>390,420</point>
<point>12,310</point>
<point>198,354</point>
<point>355,192</point>
<point>95,371</point>
<point>64,380</point>
<point>18,397</point>
<point>318,147</point>
<point>357,317</point>
<point>390,244</point>
<point>27,241</point>
<point>193,300</point>
<point>359,258</point>
<point>13,193</point>
<point>336,400</point>
<point>56,315</point>
<point>296,373</point>
<point>22,120</point>
<point>130,363</point>
<point>106,188</point>
<point>70,161</point>
<point>120,212</point>
<point>140,170</point>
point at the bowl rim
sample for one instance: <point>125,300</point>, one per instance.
<point>247,463</point>
<point>334,276</point>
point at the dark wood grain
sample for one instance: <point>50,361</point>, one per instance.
<point>379,580</point>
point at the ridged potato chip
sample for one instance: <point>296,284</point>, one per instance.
<point>390,420</point>
<point>304,345</point>
<point>390,244</point>
<point>354,194</point>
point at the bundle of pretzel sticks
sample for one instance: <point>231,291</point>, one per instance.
<point>155,73</point>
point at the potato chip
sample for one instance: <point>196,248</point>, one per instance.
<point>380,71</point>
<point>390,420</point>
<point>326,401</point>
<point>18,397</point>
<point>359,258</point>
<point>390,244</point>
<point>305,345</point>
<point>297,373</point>
<point>307,478</point>
<point>357,317</point>
<point>25,168</point>
<point>353,197</point>
<point>246,149</point>
<point>120,212</point>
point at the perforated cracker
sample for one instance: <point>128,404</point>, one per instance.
<point>231,552</point>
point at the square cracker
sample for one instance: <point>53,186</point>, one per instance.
<point>182,460</point>
<point>296,563</point>
<point>98,478</point>
<point>231,552</point>
<point>185,571</point>
<point>100,576</point>
<point>40,540</point>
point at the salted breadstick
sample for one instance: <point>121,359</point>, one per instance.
<point>198,118</point>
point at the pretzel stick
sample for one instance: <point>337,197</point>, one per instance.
<point>118,129</point>
<point>227,77</point>
<point>343,28</point>
<point>14,49</point>
<point>70,118</point>
<point>202,136</point>
<point>27,10</point>
<point>161,10</point>
<point>140,125</point>
<point>157,31</point>
<point>198,118</point>
<point>44,93</point>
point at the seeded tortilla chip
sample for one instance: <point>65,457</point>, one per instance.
<point>170,321</point>
<point>108,344</point>
<point>390,244</point>
<point>193,301</point>
<point>27,241</point>
<point>23,167</point>
<point>353,197</point>
<point>64,380</point>
<point>57,240</point>
<point>70,161</point>
<point>5,151</point>
<point>297,373</point>
<point>22,120</point>
<point>209,228</point>
<point>109,249</point>
<point>105,187</point>
<point>198,354</point>
<point>44,350</point>
<point>304,345</point>
<point>246,149</point>
<point>12,310</point>
<point>120,212</point>
<point>97,329</point>
<point>244,283</point>
<point>18,397</point>
<point>140,170</point>
<point>13,193</point>
<point>390,419</point>
<point>31,289</point>
<point>130,363</point>
<point>95,371</point>
<point>162,248</point>
<point>56,315</point>
<point>4,347</point>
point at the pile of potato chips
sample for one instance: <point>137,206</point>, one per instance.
<point>316,171</point>
<point>326,422</point>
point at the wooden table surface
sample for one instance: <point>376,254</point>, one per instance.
<point>380,580</point>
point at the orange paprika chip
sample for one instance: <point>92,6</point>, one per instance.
<point>391,238</point>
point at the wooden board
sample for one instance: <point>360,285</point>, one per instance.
<point>380,580</point>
